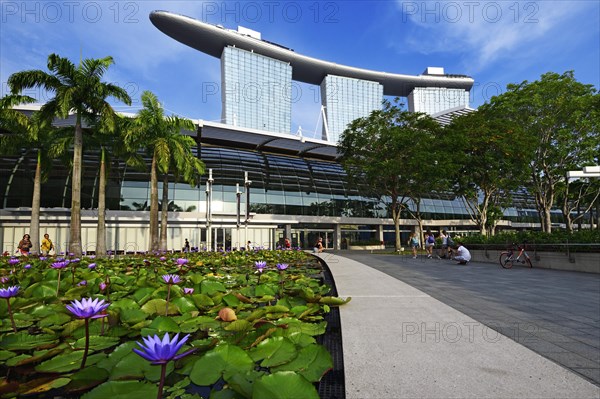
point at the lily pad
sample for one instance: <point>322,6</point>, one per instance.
<point>123,390</point>
<point>223,361</point>
<point>274,351</point>
<point>67,362</point>
<point>97,342</point>
<point>25,341</point>
<point>312,362</point>
<point>48,386</point>
<point>284,385</point>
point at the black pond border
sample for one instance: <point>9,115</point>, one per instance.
<point>333,384</point>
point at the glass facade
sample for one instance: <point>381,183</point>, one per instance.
<point>432,100</point>
<point>256,92</point>
<point>281,184</point>
<point>346,99</point>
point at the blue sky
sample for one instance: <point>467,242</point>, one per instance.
<point>495,42</point>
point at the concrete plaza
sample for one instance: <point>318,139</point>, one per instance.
<point>426,328</point>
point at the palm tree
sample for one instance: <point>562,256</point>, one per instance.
<point>160,136</point>
<point>78,90</point>
<point>31,134</point>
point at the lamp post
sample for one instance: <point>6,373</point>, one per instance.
<point>247,184</point>
<point>238,195</point>
<point>209,183</point>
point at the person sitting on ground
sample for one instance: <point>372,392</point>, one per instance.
<point>463,256</point>
<point>319,245</point>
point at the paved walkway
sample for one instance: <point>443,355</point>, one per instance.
<point>431,329</point>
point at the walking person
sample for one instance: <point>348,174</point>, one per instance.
<point>413,243</point>
<point>443,252</point>
<point>47,245</point>
<point>429,243</point>
<point>24,245</point>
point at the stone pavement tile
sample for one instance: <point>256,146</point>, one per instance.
<point>592,374</point>
<point>587,351</point>
<point>571,360</point>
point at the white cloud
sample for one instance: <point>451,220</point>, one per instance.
<point>482,33</point>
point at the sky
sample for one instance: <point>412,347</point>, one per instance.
<point>495,42</point>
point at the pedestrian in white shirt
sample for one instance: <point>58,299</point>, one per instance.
<point>463,256</point>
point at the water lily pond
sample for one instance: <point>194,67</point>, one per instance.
<point>199,325</point>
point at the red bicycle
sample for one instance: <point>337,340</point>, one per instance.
<point>508,258</point>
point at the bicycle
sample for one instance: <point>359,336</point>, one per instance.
<point>507,258</point>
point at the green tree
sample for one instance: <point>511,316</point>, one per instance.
<point>81,91</point>
<point>392,154</point>
<point>30,135</point>
<point>161,137</point>
<point>493,161</point>
<point>561,115</point>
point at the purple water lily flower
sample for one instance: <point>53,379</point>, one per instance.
<point>260,265</point>
<point>13,261</point>
<point>43,258</point>
<point>82,283</point>
<point>103,286</point>
<point>4,279</point>
<point>171,279</point>
<point>60,264</point>
<point>162,258</point>
<point>162,351</point>
<point>282,266</point>
<point>27,266</point>
<point>188,291</point>
<point>76,260</point>
<point>92,266</point>
<point>9,292</point>
<point>88,308</point>
<point>182,261</point>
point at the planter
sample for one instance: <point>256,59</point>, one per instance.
<point>366,247</point>
<point>579,262</point>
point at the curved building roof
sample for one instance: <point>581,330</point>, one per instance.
<point>211,39</point>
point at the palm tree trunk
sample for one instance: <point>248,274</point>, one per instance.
<point>75,228</point>
<point>34,228</point>
<point>164,213</point>
<point>101,229</point>
<point>153,206</point>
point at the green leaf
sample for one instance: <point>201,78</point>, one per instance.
<point>133,316</point>
<point>158,306</point>
<point>210,288</point>
<point>185,304</point>
<point>55,319</point>
<point>133,366</point>
<point>45,387</point>
<point>67,362</point>
<point>6,355</point>
<point>312,362</point>
<point>123,390</point>
<point>274,351</point>
<point>284,385</point>
<point>238,326</point>
<point>97,342</point>
<point>223,361</point>
<point>165,324</point>
<point>334,301</point>
<point>202,300</point>
<point>231,300</point>
<point>125,303</point>
<point>141,295</point>
<point>25,341</point>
